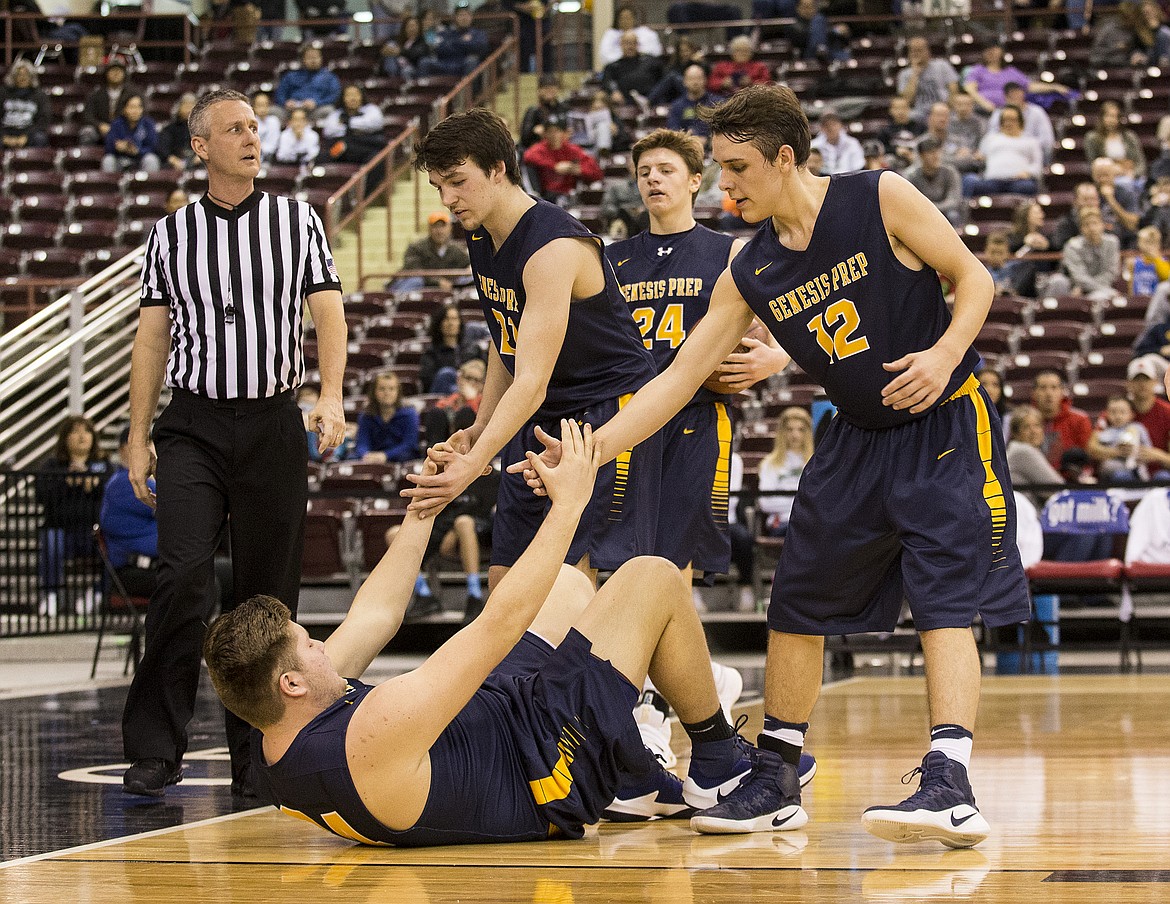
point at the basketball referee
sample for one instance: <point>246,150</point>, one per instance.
<point>224,286</point>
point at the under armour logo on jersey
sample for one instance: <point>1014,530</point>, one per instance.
<point>662,252</point>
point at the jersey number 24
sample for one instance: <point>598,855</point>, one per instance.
<point>670,327</point>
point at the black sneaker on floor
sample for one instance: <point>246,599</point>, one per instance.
<point>150,777</point>
<point>423,607</point>
<point>767,800</point>
<point>942,809</point>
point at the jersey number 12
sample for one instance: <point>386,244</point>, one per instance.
<point>834,330</point>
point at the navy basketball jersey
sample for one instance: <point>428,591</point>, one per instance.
<point>312,779</point>
<point>602,356</point>
<point>846,305</point>
<point>667,281</point>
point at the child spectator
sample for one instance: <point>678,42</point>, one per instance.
<point>1149,267</point>
<point>132,140</point>
<point>299,144</point>
<point>1116,446</point>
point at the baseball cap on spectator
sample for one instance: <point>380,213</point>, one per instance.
<point>556,122</point>
<point>873,148</point>
<point>1145,366</point>
<point>439,216</point>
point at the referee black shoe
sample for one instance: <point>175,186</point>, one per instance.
<point>150,777</point>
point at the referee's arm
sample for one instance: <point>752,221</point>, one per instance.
<point>148,362</point>
<point>328,416</point>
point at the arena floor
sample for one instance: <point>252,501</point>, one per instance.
<point>1072,772</point>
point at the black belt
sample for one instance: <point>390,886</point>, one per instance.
<point>241,404</point>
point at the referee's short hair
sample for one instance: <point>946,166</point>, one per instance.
<point>197,122</point>
<point>478,135</point>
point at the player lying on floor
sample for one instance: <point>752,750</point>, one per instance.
<point>518,728</point>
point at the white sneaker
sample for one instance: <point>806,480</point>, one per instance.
<point>654,727</point>
<point>729,687</point>
<point>747,599</point>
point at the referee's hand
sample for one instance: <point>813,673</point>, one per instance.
<point>140,462</point>
<point>328,419</point>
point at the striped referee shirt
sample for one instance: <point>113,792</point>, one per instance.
<point>236,282</point>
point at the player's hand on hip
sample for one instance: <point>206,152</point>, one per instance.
<point>570,481</point>
<point>551,456</point>
<point>924,375</point>
<point>140,461</point>
<point>742,370</point>
<point>328,420</point>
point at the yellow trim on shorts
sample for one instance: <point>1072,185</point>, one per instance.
<point>993,493</point>
<point>621,478</point>
<point>721,484</point>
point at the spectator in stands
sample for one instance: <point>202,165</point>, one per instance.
<point>1116,446</point>
<point>728,76</point>
<point>964,134</point>
<point>104,102</point>
<point>812,36</point>
<point>939,181</point>
<point>1161,166</point>
<point>987,82</point>
<point>781,470</point>
<point>1028,232</point>
<point>401,58</point>
<point>1027,463</point>
<point>875,155</point>
<point>388,428</point>
<point>1064,427</point>
<point>842,152</point>
<point>460,47</point>
<point>925,81</point>
<point>559,165</point>
<point>626,18</point>
<point>174,141</point>
<point>684,54</point>
<point>900,134</point>
<point>1149,267</point>
<point>450,349</point>
<point>816,162</point>
<point>354,131</point>
<point>457,410</point>
<point>1134,36</point>
<point>992,384</point>
<point>1036,120</point>
<point>1012,161</point>
<point>270,125</point>
<point>548,103</point>
<point>434,251</point>
<point>599,129</point>
<point>621,203</point>
<point>1084,195</point>
<point>1119,205</point>
<point>24,108</point>
<point>684,114</point>
<point>1091,260</point>
<point>1009,275</point>
<point>178,198</point>
<point>1110,139</point>
<point>308,395</point>
<point>772,9</point>
<point>311,87</point>
<point>299,142</point>
<point>633,76</point>
<point>1154,341</point>
<point>1144,378</point>
<point>69,487</point>
<point>132,141</point>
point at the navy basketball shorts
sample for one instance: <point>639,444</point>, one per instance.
<point>692,514</point>
<point>620,520</point>
<point>573,726</point>
<point>922,512</point>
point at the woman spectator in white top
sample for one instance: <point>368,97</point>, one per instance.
<point>626,18</point>
<point>1012,161</point>
<point>782,468</point>
<point>270,125</point>
<point>298,142</point>
<point>352,133</point>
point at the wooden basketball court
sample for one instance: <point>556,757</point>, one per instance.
<point>1072,772</point>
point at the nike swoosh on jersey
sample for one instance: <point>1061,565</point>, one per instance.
<point>619,263</point>
<point>944,455</point>
<point>687,431</point>
<point>765,267</point>
<point>476,238</point>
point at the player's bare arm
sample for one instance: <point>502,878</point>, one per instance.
<point>392,732</point>
<point>919,233</point>
<point>562,269</point>
<point>742,370</point>
<point>148,362</point>
<point>328,417</point>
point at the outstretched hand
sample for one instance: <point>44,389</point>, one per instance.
<point>742,370</point>
<point>569,482</point>
<point>551,457</point>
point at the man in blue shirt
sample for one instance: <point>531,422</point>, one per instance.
<point>309,88</point>
<point>684,115</point>
<point>460,48</point>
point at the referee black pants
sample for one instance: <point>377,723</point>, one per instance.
<point>244,462</point>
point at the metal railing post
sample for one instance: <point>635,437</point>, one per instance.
<point>76,354</point>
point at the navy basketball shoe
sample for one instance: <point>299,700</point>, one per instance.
<point>942,809</point>
<point>656,795</point>
<point>767,800</point>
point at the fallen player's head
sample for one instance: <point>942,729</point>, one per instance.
<point>261,661</point>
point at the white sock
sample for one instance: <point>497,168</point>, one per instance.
<point>953,740</point>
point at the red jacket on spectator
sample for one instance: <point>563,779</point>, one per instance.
<point>1157,423</point>
<point>1071,428</point>
<point>753,72</point>
<point>545,159</point>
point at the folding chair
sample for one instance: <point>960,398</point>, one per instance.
<point>115,602</point>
